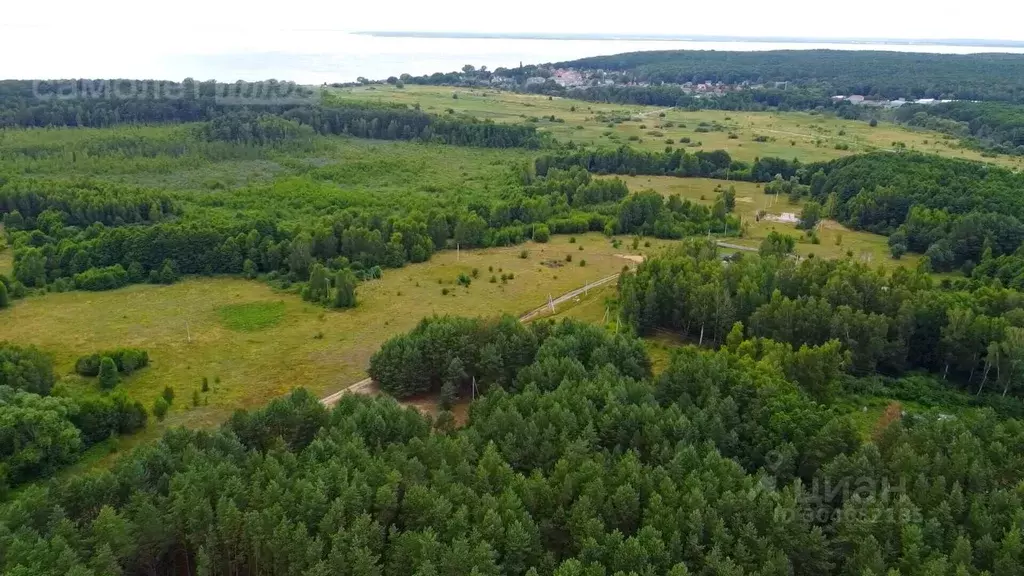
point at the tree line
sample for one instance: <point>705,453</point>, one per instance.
<point>994,127</point>
<point>969,334</point>
<point>575,461</point>
<point>870,73</point>
<point>264,113</point>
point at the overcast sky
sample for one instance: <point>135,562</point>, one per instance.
<point>304,40</point>
<point>192,22</point>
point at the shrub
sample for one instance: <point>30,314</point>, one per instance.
<point>160,407</point>
<point>206,384</point>
<point>168,394</point>
<point>99,417</point>
<point>524,254</point>
<point>96,279</point>
<point>127,360</point>
<point>583,263</point>
<point>568,257</point>
<point>572,240</point>
<point>541,233</point>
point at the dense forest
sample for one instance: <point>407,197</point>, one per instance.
<point>997,77</point>
<point>889,323</point>
<point>258,113</point>
<point>580,463</point>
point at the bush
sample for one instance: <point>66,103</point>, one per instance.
<point>96,279</point>
<point>127,360</point>
<point>160,407</point>
<point>524,254</point>
<point>168,394</point>
<point>572,240</point>
<point>99,417</point>
<point>583,263</point>
<point>568,257</point>
<point>26,368</point>
<point>444,291</point>
<point>541,233</point>
<point>206,382</point>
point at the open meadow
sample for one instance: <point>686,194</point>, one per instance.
<point>835,240</point>
<point>745,135</point>
<point>253,343</point>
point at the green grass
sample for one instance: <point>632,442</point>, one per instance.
<point>252,316</point>
<point>807,136</point>
<point>6,261</point>
<point>261,343</point>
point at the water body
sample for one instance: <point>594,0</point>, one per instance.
<point>316,57</point>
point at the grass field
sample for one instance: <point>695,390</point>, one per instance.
<point>6,261</point>
<point>253,343</point>
<point>836,241</point>
<point>807,136</point>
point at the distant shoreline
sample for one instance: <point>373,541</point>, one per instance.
<point>971,42</point>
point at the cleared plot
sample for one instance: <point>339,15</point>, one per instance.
<point>253,343</point>
<point>835,240</point>
<point>746,135</point>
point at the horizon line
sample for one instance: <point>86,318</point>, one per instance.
<point>984,42</point>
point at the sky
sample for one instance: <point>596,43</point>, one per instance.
<point>304,40</point>
<point>204,24</point>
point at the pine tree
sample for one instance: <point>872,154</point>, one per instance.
<point>108,373</point>
<point>345,289</point>
<point>448,395</point>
